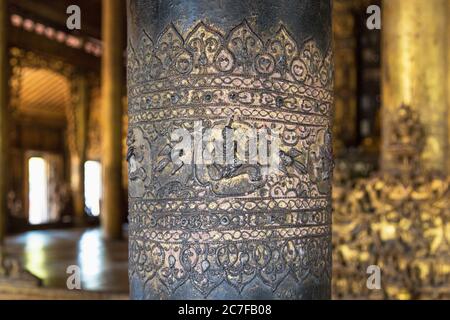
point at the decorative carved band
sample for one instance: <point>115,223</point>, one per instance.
<point>205,227</point>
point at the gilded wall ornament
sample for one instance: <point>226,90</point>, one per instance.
<point>397,220</point>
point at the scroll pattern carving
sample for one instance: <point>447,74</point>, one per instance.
<point>205,227</point>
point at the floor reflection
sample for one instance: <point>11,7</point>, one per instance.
<point>48,254</point>
<point>35,254</point>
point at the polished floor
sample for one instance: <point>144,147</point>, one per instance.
<point>47,254</point>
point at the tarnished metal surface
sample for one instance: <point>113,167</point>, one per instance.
<point>234,230</point>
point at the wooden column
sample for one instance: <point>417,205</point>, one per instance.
<point>414,73</point>
<point>79,144</point>
<point>345,78</point>
<point>4,140</point>
<point>112,72</point>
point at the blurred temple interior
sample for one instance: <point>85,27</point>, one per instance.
<point>63,172</point>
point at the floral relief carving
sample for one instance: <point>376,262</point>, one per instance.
<point>206,226</point>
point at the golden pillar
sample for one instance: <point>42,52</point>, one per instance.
<point>448,82</point>
<point>414,73</point>
<point>112,77</point>
<point>78,137</point>
<point>4,140</point>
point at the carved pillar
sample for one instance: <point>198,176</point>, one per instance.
<point>78,123</point>
<point>4,140</point>
<point>414,73</point>
<point>112,83</point>
<point>229,153</point>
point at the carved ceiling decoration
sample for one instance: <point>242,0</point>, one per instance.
<point>25,60</point>
<point>22,60</point>
<point>43,93</point>
<point>47,72</point>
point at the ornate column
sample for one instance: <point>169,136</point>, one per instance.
<point>4,140</point>
<point>414,73</point>
<point>78,123</point>
<point>112,83</point>
<point>211,82</point>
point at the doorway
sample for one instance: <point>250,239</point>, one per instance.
<point>38,191</point>
<point>93,187</point>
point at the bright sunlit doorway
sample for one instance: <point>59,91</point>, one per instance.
<point>38,191</point>
<point>93,187</point>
